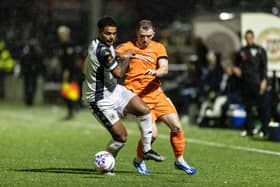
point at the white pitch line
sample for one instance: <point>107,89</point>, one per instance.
<point>249,149</point>
<point>196,141</point>
<point>220,145</point>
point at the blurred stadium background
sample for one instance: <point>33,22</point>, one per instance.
<point>39,149</point>
<point>181,24</point>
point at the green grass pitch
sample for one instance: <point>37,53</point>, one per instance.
<point>38,149</point>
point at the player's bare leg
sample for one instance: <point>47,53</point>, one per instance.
<point>119,135</point>
<point>119,138</point>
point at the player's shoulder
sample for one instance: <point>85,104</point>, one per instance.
<point>156,44</point>
<point>100,48</point>
<point>104,51</point>
<point>127,44</point>
<point>94,43</point>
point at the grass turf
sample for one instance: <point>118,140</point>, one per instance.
<point>37,148</point>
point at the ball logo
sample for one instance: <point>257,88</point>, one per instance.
<point>270,40</point>
<point>100,160</point>
<point>104,161</point>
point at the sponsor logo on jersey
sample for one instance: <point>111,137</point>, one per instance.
<point>144,57</point>
<point>110,59</point>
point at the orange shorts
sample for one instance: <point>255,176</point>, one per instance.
<point>159,104</point>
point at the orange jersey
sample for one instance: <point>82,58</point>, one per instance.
<point>147,86</point>
<point>147,58</point>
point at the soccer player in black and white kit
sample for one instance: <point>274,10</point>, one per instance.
<point>107,98</point>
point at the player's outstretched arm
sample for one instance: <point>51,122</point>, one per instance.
<point>161,71</point>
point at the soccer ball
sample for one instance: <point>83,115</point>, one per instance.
<point>104,161</point>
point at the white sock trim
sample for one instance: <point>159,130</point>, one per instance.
<point>114,147</point>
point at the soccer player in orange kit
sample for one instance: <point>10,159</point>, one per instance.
<point>148,63</point>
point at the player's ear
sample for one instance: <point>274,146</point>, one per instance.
<point>153,35</point>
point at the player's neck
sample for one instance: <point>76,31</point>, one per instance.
<point>139,45</point>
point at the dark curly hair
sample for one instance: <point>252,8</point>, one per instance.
<point>106,21</point>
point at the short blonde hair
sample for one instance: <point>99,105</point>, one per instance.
<point>145,24</point>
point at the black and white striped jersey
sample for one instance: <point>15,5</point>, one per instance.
<point>99,63</point>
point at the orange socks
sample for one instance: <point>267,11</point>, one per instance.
<point>177,140</point>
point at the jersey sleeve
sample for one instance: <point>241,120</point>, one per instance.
<point>121,48</point>
<point>106,58</point>
<point>161,51</point>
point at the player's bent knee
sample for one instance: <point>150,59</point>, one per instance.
<point>175,129</point>
<point>146,110</point>
<point>142,111</point>
<point>143,107</point>
<point>121,138</point>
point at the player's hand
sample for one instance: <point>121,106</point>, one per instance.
<point>151,72</point>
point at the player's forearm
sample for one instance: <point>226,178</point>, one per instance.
<point>123,65</point>
<point>161,72</point>
<point>157,73</point>
<point>162,68</point>
<point>120,70</point>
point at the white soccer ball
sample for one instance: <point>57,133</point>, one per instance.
<point>104,161</point>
